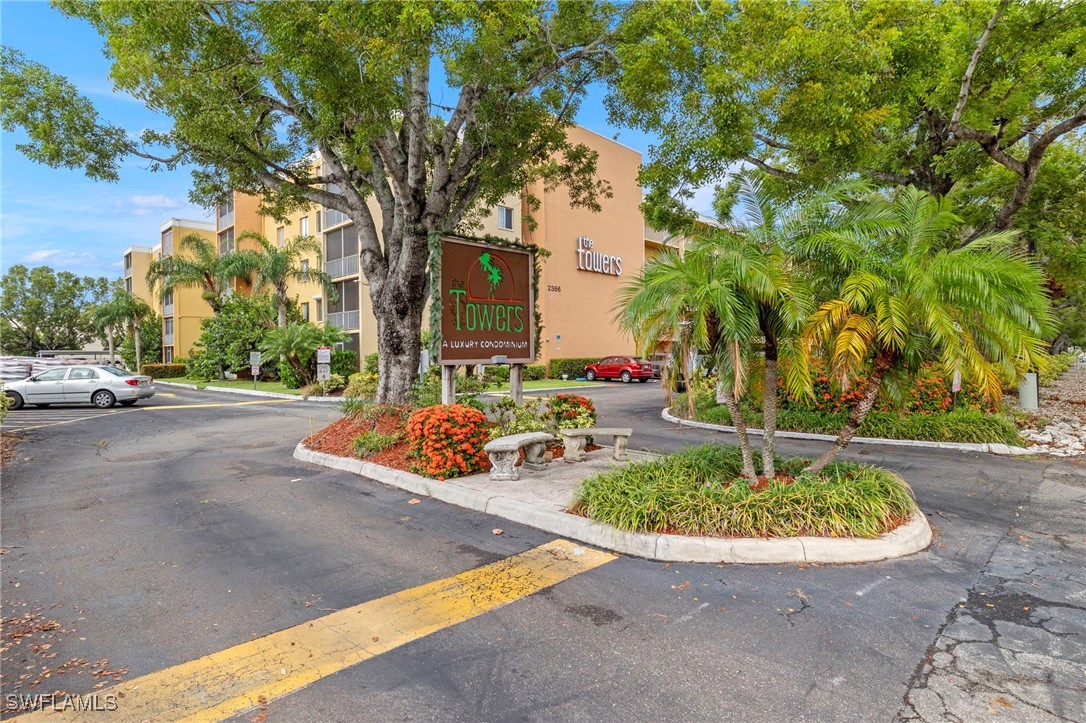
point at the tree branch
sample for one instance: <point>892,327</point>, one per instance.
<point>774,143</point>
<point>967,79</point>
<point>771,170</point>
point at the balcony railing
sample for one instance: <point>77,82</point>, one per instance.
<point>343,319</point>
<point>167,309</point>
<point>346,266</point>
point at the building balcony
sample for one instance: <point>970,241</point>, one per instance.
<point>346,266</point>
<point>167,309</point>
<point>167,339</point>
<point>343,319</point>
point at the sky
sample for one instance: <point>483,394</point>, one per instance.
<point>60,218</point>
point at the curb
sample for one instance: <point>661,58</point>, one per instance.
<point>250,392</point>
<point>499,392</point>
<point>912,537</point>
<point>990,448</point>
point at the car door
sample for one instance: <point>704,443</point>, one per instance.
<point>606,368</point>
<point>47,387</point>
<point>79,385</point>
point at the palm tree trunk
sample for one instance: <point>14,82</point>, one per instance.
<point>136,335</point>
<point>769,407</point>
<point>109,336</point>
<point>690,401</point>
<point>282,313</point>
<point>883,362</point>
<point>740,425</point>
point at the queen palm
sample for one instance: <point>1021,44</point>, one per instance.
<point>682,302</point>
<point>980,308</point>
<point>112,316</point>
<point>275,267</point>
<point>199,267</point>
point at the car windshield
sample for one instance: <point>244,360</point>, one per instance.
<point>115,372</point>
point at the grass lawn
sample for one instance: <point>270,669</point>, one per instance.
<point>540,384</point>
<point>246,384</point>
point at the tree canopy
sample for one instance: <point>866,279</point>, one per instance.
<point>44,309</point>
<point>422,111</point>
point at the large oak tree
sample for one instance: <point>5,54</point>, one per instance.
<point>429,109</point>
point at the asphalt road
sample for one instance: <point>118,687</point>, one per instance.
<point>161,534</point>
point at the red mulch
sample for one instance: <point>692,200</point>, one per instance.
<point>337,438</point>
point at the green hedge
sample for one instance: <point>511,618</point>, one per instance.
<point>163,371</point>
<point>534,372</point>
<point>1060,363</point>
<point>573,366</point>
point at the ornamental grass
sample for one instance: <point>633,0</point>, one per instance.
<point>699,491</point>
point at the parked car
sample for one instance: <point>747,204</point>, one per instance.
<point>626,368</point>
<point>657,360</point>
<point>100,385</point>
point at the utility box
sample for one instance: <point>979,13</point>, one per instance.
<point>1028,392</point>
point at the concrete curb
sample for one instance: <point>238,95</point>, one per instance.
<point>498,392</point>
<point>990,448</point>
<point>250,392</point>
<point>910,538</point>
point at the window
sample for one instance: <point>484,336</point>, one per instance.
<point>167,354</point>
<point>167,300</point>
<point>53,375</point>
<point>318,214</point>
<point>127,262</point>
<point>303,227</point>
<point>505,218</point>
<point>225,213</point>
<point>280,236</point>
<point>128,284</point>
<point>167,242</point>
<point>115,372</point>
<point>305,266</point>
<point>320,309</point>
<point>226,242</point>
<point>305,311</point>
<point>83,374</point>
<point>341,243</point>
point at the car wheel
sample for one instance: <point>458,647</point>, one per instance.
<point>590,375</point>
<point>41,406</point>
<point>16,400</point>
<point>103,399</point>
<point>626,376</point>
<point>128,402</point>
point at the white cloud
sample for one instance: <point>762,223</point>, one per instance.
<point>148,204</point>
<point>61,258</point>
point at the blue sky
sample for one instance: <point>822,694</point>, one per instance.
<point>60,218</point>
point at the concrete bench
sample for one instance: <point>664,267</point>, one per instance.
<point>574,441</point>
<point>504,452</point>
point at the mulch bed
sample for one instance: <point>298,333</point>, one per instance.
<point>8,442</point>
<point>337,438</point>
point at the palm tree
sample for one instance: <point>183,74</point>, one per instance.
<point>681,301</point>
<point>137,310</point>
<point>981,308</point>
<point>111,316</point>
<point>297,343</point>
<point>202,267</point>
<point>274,267</point>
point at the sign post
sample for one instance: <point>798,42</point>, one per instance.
<point>254,366</point>
<point>487,310</point>
<point>324,367</point>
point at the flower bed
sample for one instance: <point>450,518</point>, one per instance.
<point>700,492</point>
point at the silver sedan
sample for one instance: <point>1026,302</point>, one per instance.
<point>102,386</point>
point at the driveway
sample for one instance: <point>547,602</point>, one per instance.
<point>156,537</point>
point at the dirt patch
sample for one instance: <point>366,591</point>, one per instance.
<point>8,442</point>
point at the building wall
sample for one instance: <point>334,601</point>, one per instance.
<point>135,261</point>
<point>189,307</point>
<point>577,304</point>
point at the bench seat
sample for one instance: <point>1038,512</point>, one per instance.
<point>504,452</point>
<point>575,440</point>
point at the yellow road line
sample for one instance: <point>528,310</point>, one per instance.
<point>226,683</point>
<point>77,419</point>
<point>214,404</point>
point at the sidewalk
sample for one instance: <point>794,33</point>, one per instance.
<point>539,499</point>
<point>248,392</point>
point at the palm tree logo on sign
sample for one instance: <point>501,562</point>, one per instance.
<point>493,273</point>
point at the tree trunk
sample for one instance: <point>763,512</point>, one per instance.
<point>282,313</point>
<point>136,338</point>
<point>740,425</point>
<point>1060,344</point>
<point>883,362</point>
<point>109,336</point>
<point>769,408</point>
<point>690,400</point>
<point>399,338</point>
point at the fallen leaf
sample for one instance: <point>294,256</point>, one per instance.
<point>412,501</point>
<point>497,530</point>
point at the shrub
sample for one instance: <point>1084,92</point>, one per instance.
<point>164,371</point>
<point>447,440</point>
<point>364,411</point>
<point>572,366</point>
<point>288,377</point>
<point>495,374</point>
<point>369,364</point>
<point>361,385</point>
<point>334,383</point>
<point>369,443</point>
<point>570,411</point>
<point>344,362</point>
<point>512,419</point>
<point>5,403</point>
<point>201,366</point>
<point>534,372</point>
<point>1059,364</point>
<point>700,492</point>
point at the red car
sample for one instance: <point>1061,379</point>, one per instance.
<point>626,368</point>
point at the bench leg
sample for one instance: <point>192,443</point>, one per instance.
<point>533,457</point>
<point>504,465</point>
<point>573,449</point>
<point>620,447</point>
